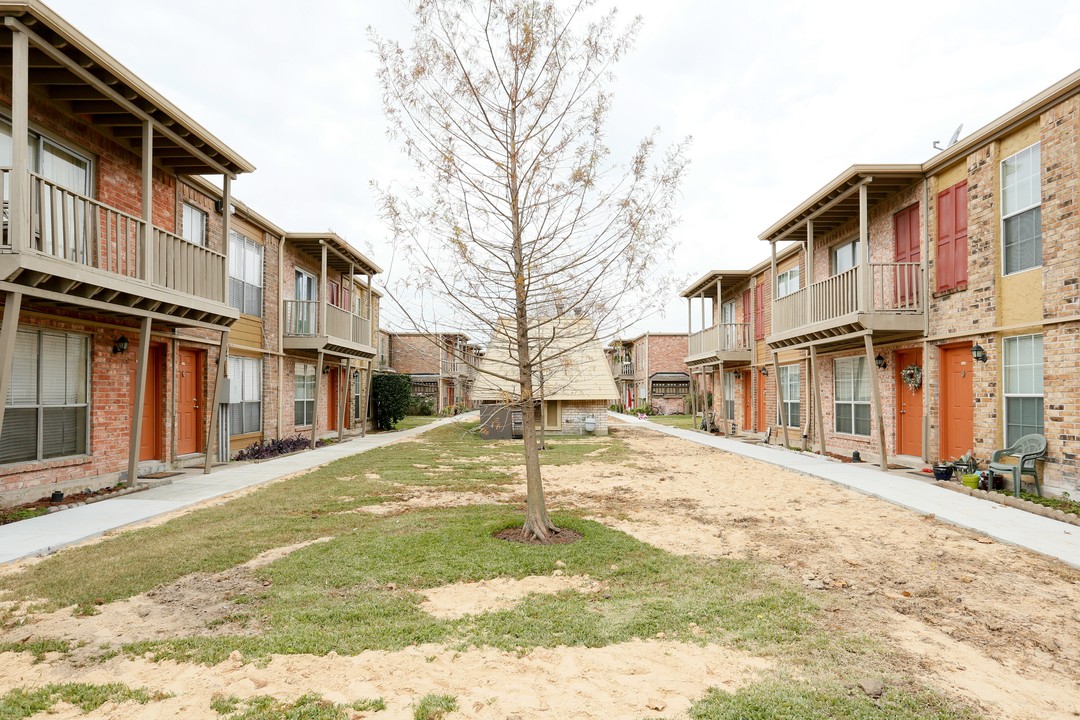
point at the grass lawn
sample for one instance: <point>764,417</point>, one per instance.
<point>679,421</point>
<point>412,421</point>
<point>362,589</point>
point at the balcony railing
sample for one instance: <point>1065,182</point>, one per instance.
<point>725,337</point>
<point>73,227</point>
<point>301,319</point>
<point>894,288</point>
<point>451,367</point>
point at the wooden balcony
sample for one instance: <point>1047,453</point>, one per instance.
<point>345,333</point>
<point>623,371</point>
<point>84,253</point>
<point>888,303</point>
<point>728,343</point>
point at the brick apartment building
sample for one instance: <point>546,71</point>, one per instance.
<point>123,275</point>
<point>442,365</point>
<point>650,370</point>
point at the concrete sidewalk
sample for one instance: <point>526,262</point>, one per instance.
<point>48,533</point>
<point>1043,535</point>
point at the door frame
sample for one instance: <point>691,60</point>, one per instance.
<point>155,383</point>
<point>748,400</point>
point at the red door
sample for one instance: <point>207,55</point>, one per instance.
<point>906,277</point>
<point>150,437</point>
<point>189,402</point>
<point>957,401</point>
<point>747,394</point>
<point>909,407</point>
<point>332,389</point>
<point>760,421</point>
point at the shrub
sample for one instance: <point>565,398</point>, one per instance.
<point>391,393</point>
<point>421,405</point>
<point>272,448</point>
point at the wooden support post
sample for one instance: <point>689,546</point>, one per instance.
<point>215,406</point>
<point>8,330</point>
<point>820,425</point>
<point>865,287</point>
<point>19,179</point>
<point>809,269</point>
<point>772,267</point>
<point>226,228</point>
<point>808,426</point>
<point>723,401</point>
<point>135,436</point>
<point>322,298</point>
<point>372,330</point>
<point>721,341</point>
<point>367,395</point>
<point>780,397</point>
<point>693,400</point>
<point>875,396</point>
<point>148,202</point>
<point>318,387</point>
<point>343,395</point>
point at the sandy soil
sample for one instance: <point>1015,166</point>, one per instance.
<point>991,623</point>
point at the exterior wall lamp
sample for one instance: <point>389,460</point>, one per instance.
<point>978,353</point>
<point>765,371</point>
<point>326,370</point>
<point>120,346</point>
<point>880,362</point>
<point>737,375</point>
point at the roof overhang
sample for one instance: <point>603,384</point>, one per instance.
<point>69,69</point>
<point>341,257</point>
<point>707,283</point>
<point>838,202</point>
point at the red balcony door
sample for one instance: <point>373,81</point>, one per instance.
<point>333,387</point>
<point>909,407</point>
<point>957,401</point>
<point>189,394</point>
<point>747,395</point>
<point>150,440</point>
<point>907,233</point>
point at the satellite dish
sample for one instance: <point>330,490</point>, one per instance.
<point>955,135</point>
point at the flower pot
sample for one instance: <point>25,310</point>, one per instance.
<point>971,481</point>
<point>943,472</point>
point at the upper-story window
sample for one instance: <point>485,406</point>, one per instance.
<point>245,274</point>
<point>787,282</point>
<point>55,162</point>
<point>1021,211</point>
<point>844,256</point>
<point>193,225</point>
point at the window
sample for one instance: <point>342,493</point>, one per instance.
<point>245,395</point>
<point>787,282</point>
<point>357,387</point>
<point>193,225</point>
<point>843,257</point>
<point>551,415</point>
<point>851,387</point>
<point>729,395</point>
<point>789,385</point>
<point>47,407</point>
<point>951,267</point>
<point>245,274</point>
<point>304,399</point>
<point>302,319</point>
<point>1021,214</point>
<point>1023,386</point>
<point>669,388</point>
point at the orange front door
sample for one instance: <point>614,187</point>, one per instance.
<point>957,401</point>
<point>909,407</point>
<point>747,394</point>
<point>332,388</point>
<point>760,421</point>
<point>189,401</point>
<point>150,437</point>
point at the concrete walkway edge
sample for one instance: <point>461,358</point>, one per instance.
<point>1017,527</point>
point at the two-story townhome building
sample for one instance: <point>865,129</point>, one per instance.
<point>650,370</point>
<point>940,299</point>
<point>329,334</point>
<point>442,365</point>
<point>729,358</point>
<point>113,315</point>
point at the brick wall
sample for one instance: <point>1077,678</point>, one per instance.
<point>574,413</point>
<point>414,354</point>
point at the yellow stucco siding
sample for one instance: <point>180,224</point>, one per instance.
<point>247,331</point>
<point>1019,296</point>
<point>951,175</point>
<point>1020,139</point>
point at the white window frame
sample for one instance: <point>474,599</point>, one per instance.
<point>789,380</point>
<point>357,380</point>
<point>304,373</point>
<point>853,403</point>
<point>246,274</point>
<point>245,388</point>
<point>835,250</point>
<point>200,219</point>
<point>729,395</point>
<point>787,282</point>
<point>1020,211</point>
<point>37,404</point>
<point>1011,371</point>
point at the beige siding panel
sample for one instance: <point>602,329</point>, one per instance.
<point>1022,298</point>
<point>1022,138</point>
<point>247,331</point>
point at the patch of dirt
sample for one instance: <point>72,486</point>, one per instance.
<point>420,499</point>
<point>461,599</point>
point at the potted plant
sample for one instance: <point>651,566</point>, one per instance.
<point>943,470</point>
<point>969,469</point>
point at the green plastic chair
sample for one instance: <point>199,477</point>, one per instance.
<point>1027,450</point>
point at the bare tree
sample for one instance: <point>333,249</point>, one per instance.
<point>522,218</point>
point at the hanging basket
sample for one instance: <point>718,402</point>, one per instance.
<point>912,377</point>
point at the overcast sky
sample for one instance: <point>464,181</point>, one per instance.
<point>780,97</point>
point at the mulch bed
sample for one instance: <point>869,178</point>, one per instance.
<point>28,510</point>
<point>516,534</point>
